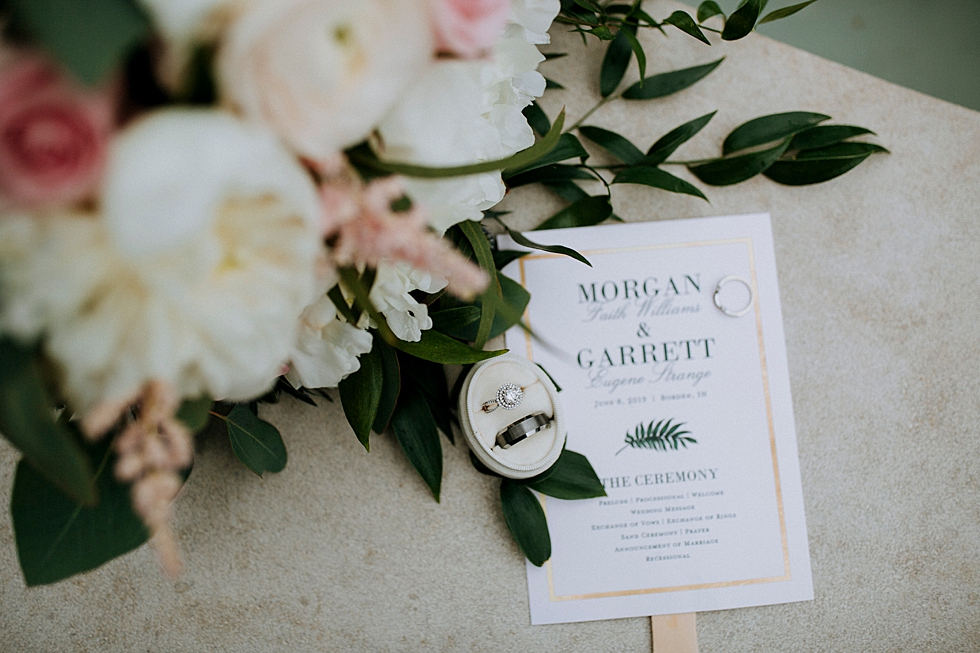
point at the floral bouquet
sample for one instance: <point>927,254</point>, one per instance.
<point>205,204</point>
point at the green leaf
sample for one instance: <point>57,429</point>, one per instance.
<point>683,21</point>
<point>526,521</point>
<point>452,320</point>
<point>521,239</point>
<point>768,129</point>
<point>566,190</point>
<point>480,467</point>
<point>736,169</point>
<point>391,385</point>
<point>56,538</point>
<point>583,213</point>
<point>641,56</point>
<point>785,12</point>
<point>90,38</point>
<point>613,143</point>
<point>360,394</point>
<point>549,56</point>
<point>537,118</point>
<point>666,84</point>
<point>440,348</point>
<point>195,413</point>
<point>657,178</point>
<point>504,257</point>
<point>27,421</point>
<point>515,297</point>
<point>550,174</point>
<point>255,442</point>
<point>707,9</point>
<point>667,144</point>
<point>550,83</point>
<point>431,380</point>
<point>742,22</point>
<point>484,256</point>
<point>615,63</point>
<point>572,477</point>
<point>824,135</point>
<point>568,147</point>
<point>417,435</point>
<point>363,157</point>
<point>817,166</point>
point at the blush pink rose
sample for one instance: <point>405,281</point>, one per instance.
<point>53,135</point>
<point>468,27</point>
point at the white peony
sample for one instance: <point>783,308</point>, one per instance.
<point>322,73</point>
<point>462,112</point>
<point>391,296</point>
<point>535,17</point>
<point>195,273</point>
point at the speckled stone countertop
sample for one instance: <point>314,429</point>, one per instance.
<point>879,274</point>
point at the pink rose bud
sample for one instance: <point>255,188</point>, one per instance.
<point>53,135</point>
<point>468,27</point>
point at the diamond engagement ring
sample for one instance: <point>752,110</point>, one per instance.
<point>509,397</point>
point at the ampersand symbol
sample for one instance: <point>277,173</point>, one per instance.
<point>643,332</point>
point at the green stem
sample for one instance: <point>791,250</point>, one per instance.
<point>599,104</point>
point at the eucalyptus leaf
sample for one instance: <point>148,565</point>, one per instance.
<point>572,478</point>
<point>417,434</point>
<point>390,386</point>
<point>521,239</point>
<point>785,12</point>
<point>584,213</point>
<point>195,413</point>
<point>526,520</point>
<point>736,169</point>
<point>537,118</point>
<point>768,129</point>
<point>57,538</point>
<point>27,421</point>
<point>707,9</point>
<point>613,143</point>
<point>549,174</point>
<point>741,23</point>
<point>667,144</point>
<point>568,147</point>
<point>615,62</point>
<point>665,84</point>
<point>364,158</point>
<point>255,442</point>
<point>657,178</point>
<point>360,394</point>
<point>683,21</point>
<point>825,135</point>
<point>89,38</point>
<point>440,348</point>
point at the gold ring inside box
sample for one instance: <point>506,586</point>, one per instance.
<point>521,429</point>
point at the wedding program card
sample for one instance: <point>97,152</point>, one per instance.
<point>684,412</point>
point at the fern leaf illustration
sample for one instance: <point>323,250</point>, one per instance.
<point>660,435</point>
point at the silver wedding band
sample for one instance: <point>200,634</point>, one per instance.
<point>728,311</point>
<point>521,429</point>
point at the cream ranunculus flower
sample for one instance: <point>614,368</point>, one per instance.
<point>322,73</point>
<point>195,273</point>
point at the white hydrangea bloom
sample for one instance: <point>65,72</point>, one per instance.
<point>195,273</point>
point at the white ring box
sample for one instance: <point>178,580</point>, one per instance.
<point>530,456</point>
